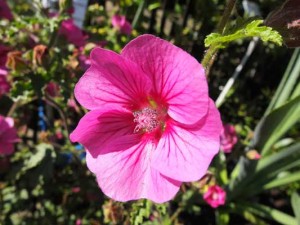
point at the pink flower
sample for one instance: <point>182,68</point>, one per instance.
<point>52,89</point>
<point>72,33</point>
<point>3,57</point>
<point>152,124</point>
<point>8,135</point>
<point>228,138</point>
<point>5,11</point>
<point>215,196</point>
<point>78,222</point>
<point>84,61</point>
<point>121,24</point>
<point>4,85</point>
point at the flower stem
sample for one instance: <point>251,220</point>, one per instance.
<point>138,13</point>
<point>61,112</point>
<point>210,54</point>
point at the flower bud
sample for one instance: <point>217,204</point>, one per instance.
<point>253,155</point>
<point>15,61</point>
<point>39,54</point>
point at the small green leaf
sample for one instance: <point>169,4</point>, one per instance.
<point>140,210</point>
<point>222,217</point>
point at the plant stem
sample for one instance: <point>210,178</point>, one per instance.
<point>62,114</point>
<point>138,13</point>
<point>225,17</point>
<point>210,54</point>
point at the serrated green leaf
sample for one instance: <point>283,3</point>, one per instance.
<point>252,29</point>
<point>139,211</point>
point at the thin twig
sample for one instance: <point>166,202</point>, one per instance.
<point>16,105</point>
<point>210,54</point>
<point>62,114</point>
<point>13,108</point>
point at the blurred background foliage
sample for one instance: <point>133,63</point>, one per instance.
<point>46,180</point>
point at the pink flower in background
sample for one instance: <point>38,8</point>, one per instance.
<point>8,135</point>
<point>152,124</point>
<point>5,11</point>
<point>3,57</point>
<point>228,138</point>
<point>4,85</point>
<point>72,33</point>
<point>84,61</point>
<point>215,196</point>
<point>121,24</point>
<point>52,89</point>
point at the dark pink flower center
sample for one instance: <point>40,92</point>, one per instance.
<point>146,120</point>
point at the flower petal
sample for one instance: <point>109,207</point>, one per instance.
<point>184,153</point>
<point>111,79</point>
<point>102,130</point>
<point>176,76</point>
<point>128,175</point>
<point>6,148</point>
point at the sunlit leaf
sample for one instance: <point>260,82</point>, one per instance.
<point>252,29</point>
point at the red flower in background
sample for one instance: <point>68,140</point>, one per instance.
<point>5,11</point>
<point>8,135</point>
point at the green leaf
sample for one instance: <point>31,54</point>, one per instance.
<point>37,158</point>
<point>295,204</point>
<point>220,161</point>
<point>275,125</point>
<point>140,210</point>
<point>287,84</point>
<point>288,178</point>
<point>258,175</point>
<point>264,212</point>
<point>222,217</point>
<point>252,29</point>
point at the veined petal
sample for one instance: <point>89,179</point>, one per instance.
<point>128,175</point>
<point>184,153</point>
<point>177,77</point>
<point>111,79</point>
<point>102,130</point>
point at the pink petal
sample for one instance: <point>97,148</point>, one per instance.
<point>118,21</point>
<point>111,79</point>
<point>9,121</point>
<point>128,175</point>
<point>177,77</point>
<point>72,33</point>
<point>6,148</point>
<point>184,153</point>
<point>104,130</point>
